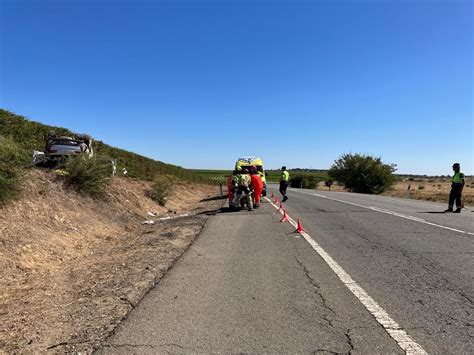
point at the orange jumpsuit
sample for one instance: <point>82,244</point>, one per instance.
<point>257,184</point>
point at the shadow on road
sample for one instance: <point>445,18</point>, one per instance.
<point>434,212</point>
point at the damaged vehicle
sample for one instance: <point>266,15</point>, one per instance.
<point>59,148</point>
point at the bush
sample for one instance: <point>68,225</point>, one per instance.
<point>363,173</point>
<point>305,181</point>
<point>11,161</point>
<point>89,176</point>
<point>162,188</point>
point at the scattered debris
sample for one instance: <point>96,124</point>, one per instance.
<point>149,222</point>
<point>169,217</point>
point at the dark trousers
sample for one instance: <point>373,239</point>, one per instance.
<point>455,195</point>
<point>283,187</point>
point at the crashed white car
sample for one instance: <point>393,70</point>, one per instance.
<point>59,148</point>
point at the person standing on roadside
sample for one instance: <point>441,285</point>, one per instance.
<point>257,184</point>
<point>284,182</point>
<point>457,184</point>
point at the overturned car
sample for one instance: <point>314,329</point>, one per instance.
<point>59,148</point>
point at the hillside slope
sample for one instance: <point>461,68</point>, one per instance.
<point>30,135</point>
<point>73,267</point>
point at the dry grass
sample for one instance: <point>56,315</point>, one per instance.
<point>72,265</point>
<point>424,189</point>
<point>430,190</point>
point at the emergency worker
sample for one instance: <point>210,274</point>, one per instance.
<point>284,182</point>
<point>457,185</point>
<point>244,188</point>
<point>257,184</point>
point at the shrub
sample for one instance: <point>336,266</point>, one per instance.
<point>89,176</point>
<point>11,160</point>
<point>363,173</point>
<point>305,181</point>
<point>162,188</point>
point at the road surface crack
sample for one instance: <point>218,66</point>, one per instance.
<point>317,291</point>
<point>330,311</point>
<point>349,340</point>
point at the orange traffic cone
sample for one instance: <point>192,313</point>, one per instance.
<point>275,200</point>
<point>273,195</point>
<point>281,206</point>
<point>300,228</point>
<point>285,217</point>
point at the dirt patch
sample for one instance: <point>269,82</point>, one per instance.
<point>73,267</point>
<point>430,190</point>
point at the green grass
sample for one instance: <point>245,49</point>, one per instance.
<point>213,176</point>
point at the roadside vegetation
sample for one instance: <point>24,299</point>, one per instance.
<point>11,161</point>
<point>162,188</point>
<point>88,176</point>
<point>363,173</point>
<point>304,181</point>
<point>30,135</point>
<point>20,136</point>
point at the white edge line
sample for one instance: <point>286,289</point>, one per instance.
<point>404,341</point>
<point>416,219</point>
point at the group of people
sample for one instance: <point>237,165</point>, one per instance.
<point>245,184</point>
<point>245,187</point>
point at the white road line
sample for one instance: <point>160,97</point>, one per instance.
<point>404,341</point>
<point>416,219</point>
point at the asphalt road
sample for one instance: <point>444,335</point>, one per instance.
<point>250,285</point>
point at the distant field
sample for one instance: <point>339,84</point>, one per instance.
<point>214,175</point>
<point>431,189</point>
<point>272,175</point>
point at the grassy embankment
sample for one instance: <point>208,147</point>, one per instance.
<point>22,136</point>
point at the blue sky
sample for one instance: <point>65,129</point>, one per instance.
<point>200,83</point>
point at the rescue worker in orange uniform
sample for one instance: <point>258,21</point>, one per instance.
<point>257,185</point>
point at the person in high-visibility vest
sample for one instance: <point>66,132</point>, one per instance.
<point>234,182</point>
<point>244,188</point>
<point>457,184</point>
<point>284,182</point>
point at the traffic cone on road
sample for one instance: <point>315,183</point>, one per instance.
<point>285,217</point>
<point>275,200</point>
<point>273,195</point>
<point>281,206</point>
<point>300,228</point>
